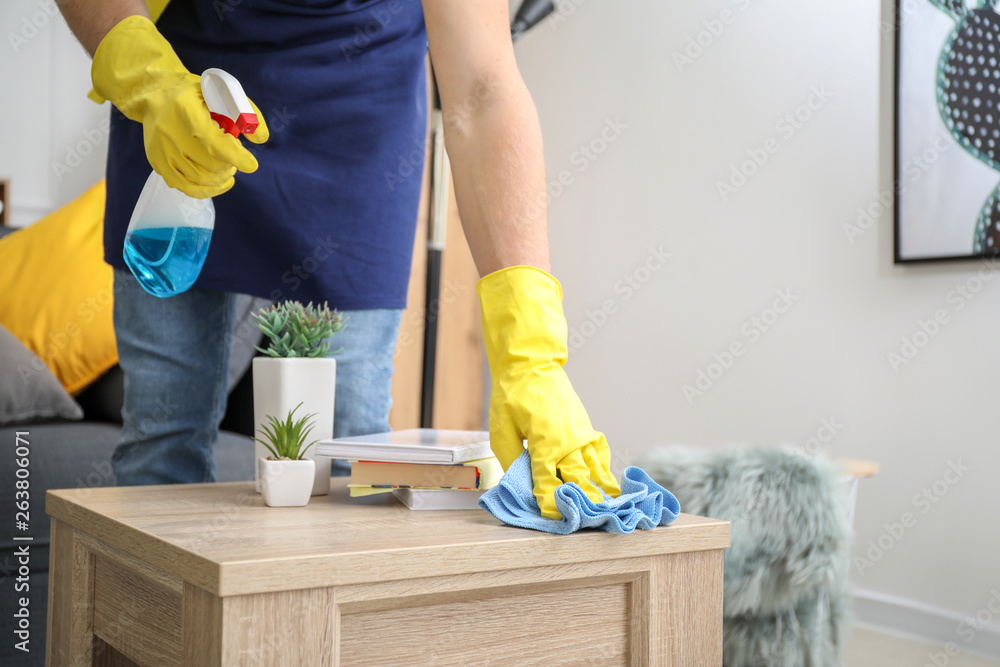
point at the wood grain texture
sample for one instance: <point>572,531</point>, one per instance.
<point>685,610</point>
<point>459,400</point>
<point>222,538</point>
<point>432,590</point>
<point>287,628</point>
<point>202,630</point>
<point>581,626</point>
<point>106,655</point>
<point>120,558</point>
<point>136,615</point>
<point>70,623</point>
<point>408,588</point>
<point>640,599</point>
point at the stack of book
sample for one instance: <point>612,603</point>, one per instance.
<point>424,468</point>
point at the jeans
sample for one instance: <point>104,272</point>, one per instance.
<point>174,353</point>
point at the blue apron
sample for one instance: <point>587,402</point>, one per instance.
<point>330,214</point>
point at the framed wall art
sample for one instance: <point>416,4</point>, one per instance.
<point>947,143</point>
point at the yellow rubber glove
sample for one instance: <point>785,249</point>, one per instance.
<point>525,333</point>
<point>138,70</point>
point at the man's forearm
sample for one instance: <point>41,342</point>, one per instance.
<point>90,20</point>
<point>499,172</point>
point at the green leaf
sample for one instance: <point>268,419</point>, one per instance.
<point>296,330</point>
<point>269,448</point>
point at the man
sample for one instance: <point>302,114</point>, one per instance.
<point>343,86</point>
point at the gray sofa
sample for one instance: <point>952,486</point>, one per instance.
<point>76,453</point>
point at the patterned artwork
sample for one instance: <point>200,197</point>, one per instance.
<point>951,178</point>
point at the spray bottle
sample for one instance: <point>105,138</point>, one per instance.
<point>168,235</point>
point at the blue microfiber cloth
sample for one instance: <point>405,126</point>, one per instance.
<point>643,503</point>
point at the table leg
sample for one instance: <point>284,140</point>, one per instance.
<point>685,609</point>
<point>287,628</point>
<point>70,633</point>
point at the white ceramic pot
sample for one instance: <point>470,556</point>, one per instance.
<point>286,483</point>
<point>279,385</point>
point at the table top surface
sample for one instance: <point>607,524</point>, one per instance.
<point>223,538</point>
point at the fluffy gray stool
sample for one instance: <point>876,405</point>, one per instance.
<point>785,583</point>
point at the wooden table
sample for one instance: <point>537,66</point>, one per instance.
<point>207,575</point>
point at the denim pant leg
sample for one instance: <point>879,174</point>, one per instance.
<point>175,356</point>
<point>364,374</point>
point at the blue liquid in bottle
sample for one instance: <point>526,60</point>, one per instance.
<point>167,260</point>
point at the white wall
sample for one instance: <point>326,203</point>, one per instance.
<point>53,140</point>
<point>656,184</point>
<point>826,357</point>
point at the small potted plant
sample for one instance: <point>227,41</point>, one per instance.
<point>286,476</point>
<point>297,370</point>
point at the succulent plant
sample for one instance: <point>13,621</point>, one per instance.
<point>284,439</point>
<point>295,330</point>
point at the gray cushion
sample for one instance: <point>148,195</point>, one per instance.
<point>28,389</point>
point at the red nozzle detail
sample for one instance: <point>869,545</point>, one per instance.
<point>226,123</point>
<point>245,123</point>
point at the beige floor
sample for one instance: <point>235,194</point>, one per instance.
<point>868,648</point>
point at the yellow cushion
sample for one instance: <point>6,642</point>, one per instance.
<point>57,291</point>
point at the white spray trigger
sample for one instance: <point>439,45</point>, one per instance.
<point>227,102</point>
